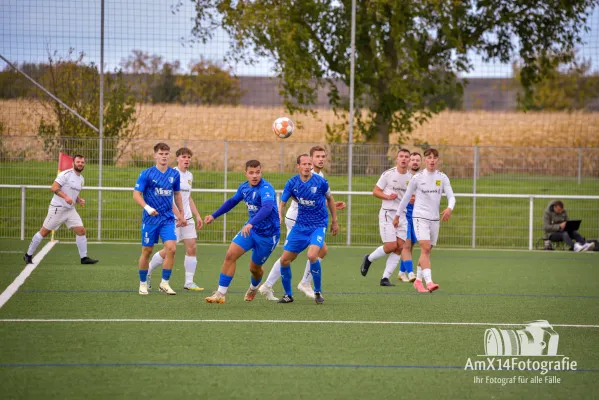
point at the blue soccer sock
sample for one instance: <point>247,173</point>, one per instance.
<point>255,282</point>
<point>409,266</point>
<point>143,275</point>
<point>316,271</point>
<point>223,283</point>
<point>402,266</point>
<point>286,279</point>
<point>166,274</point>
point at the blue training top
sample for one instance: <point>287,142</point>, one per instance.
<point>158,189</point>
<point>311,199</point>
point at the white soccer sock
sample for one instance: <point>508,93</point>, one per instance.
<point>35,241</point>
<point>427,275</point>
<point>307,273</point>
<point>419,273</point>
<point>81,245</point>
<point>190,264</point>
<point>392,262</point>
<point>155,262</point>
<point>378,253</point>
<point>275,274</point>
<point>223,289</point>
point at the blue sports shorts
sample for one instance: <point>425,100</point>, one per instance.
<point>150,234</point>
<point>262,246</point>
<point>300,238</point>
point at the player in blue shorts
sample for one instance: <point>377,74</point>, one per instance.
<point>406,267</point>
<point>260,234</point>
<point>311,192</point>
<point>154,191</point>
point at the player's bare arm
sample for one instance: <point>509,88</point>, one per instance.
<point>208,220</point>
<point>446,214</point>
<point>332,210</point>
<point>139,199</point>
<point>179,214</point>
<point>282,205</point>
<point>56,188</point>
<point>196,214</point>
<point>80,201</point>
<point>339,205</point>
<point>379,194</point>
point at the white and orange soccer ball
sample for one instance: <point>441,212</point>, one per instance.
<point>283,127</point>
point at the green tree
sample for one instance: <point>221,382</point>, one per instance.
<point>408,52</point>
<point>563,88</point>
<point>209,84</point>
<point>77,85</point>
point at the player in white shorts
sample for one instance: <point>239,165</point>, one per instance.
<point>390,188</point>
<point>428,186</point>
<point>187,233</point>
<point>66,187</point>
<point>319,156</point>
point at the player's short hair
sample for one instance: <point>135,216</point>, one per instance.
<point>161,146</point>
<point>299,158</point>
<point>252,164</point>
<point>432,151</point>
<point>76,156</point>
<point>558,203</point>
<point>315,149</point>
<point>184,150</point>
<point>415,153</point>
<point>403,150</point>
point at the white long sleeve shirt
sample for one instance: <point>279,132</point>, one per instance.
<point>428,188</point>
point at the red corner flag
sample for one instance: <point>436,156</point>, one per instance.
<point>64,162</point>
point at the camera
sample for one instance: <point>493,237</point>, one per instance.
<point>537,339</point>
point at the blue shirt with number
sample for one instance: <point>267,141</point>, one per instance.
<point>158,189</point>
<point>311,199</point>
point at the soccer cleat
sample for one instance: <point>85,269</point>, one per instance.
<point>306,288</point>
<point>431,286</point>
<point>419,286</point>
<point>365,265</point>
<point>250,294</point>
<point>216,298</point>
<point>286,299</point>
<point>267,292</point>
<point>166,288</point>
<point>411,277</point>
<point>191,286</point>
<point>589,246</point>
<point>28,259</point>
<point>386,282</point>
<point>402,277</point>
<point>87,260</point>
<point>143,288</point>
<point>578,247</point>
<point>318,298</point>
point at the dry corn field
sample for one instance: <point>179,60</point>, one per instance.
<point>172,122</point>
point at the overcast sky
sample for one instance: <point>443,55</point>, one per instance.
<point>30,28</point>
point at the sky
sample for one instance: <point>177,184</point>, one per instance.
<point>31,29</point>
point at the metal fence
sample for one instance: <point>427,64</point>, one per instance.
<point>487,179</point>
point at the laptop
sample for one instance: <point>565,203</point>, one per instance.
<point>572,225</point>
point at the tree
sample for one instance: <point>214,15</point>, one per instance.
<point>209,84</point>
<point>408,52</point>
<point>77,85</point>
<point>563,88</point>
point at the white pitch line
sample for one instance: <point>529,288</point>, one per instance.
<point>285,321</point>
<point>14,286</point>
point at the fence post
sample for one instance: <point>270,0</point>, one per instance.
<point>349,188</point>
<point>226,155</point>
<point>530,221</point>
<point>474,176</point>
<point>23,212</point>
<point>579,165</point>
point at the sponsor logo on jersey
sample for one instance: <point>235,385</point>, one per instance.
<point>171,179</point>
<point>163,192</point>
<point>189,182</point>
<point>313,189</point>
<point>251,207</point>
<point>304,202</point>
<point>437,183</point>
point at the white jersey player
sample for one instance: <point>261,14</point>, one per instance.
<point>66,187</point>
<point>319,156</point>
<point>390,188</point>
<point>186,233</point>
<point>428,187</point>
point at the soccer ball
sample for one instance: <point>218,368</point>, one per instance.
<point>283,127</point>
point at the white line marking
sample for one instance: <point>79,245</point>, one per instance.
<point>14,286</point>
<point>286,321</point>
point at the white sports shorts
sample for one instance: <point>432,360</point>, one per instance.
<point>289,223</point>
<point>426,230</point>
<point>188,231</point>
<point>388,232</point>
<point>58,215</point>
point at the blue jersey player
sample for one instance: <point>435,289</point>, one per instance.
<point>260,234</point>
<point>406,268</point>
<point>313,196</point>
<point>154,191</point>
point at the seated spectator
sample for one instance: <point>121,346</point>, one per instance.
<point>554,222</point>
